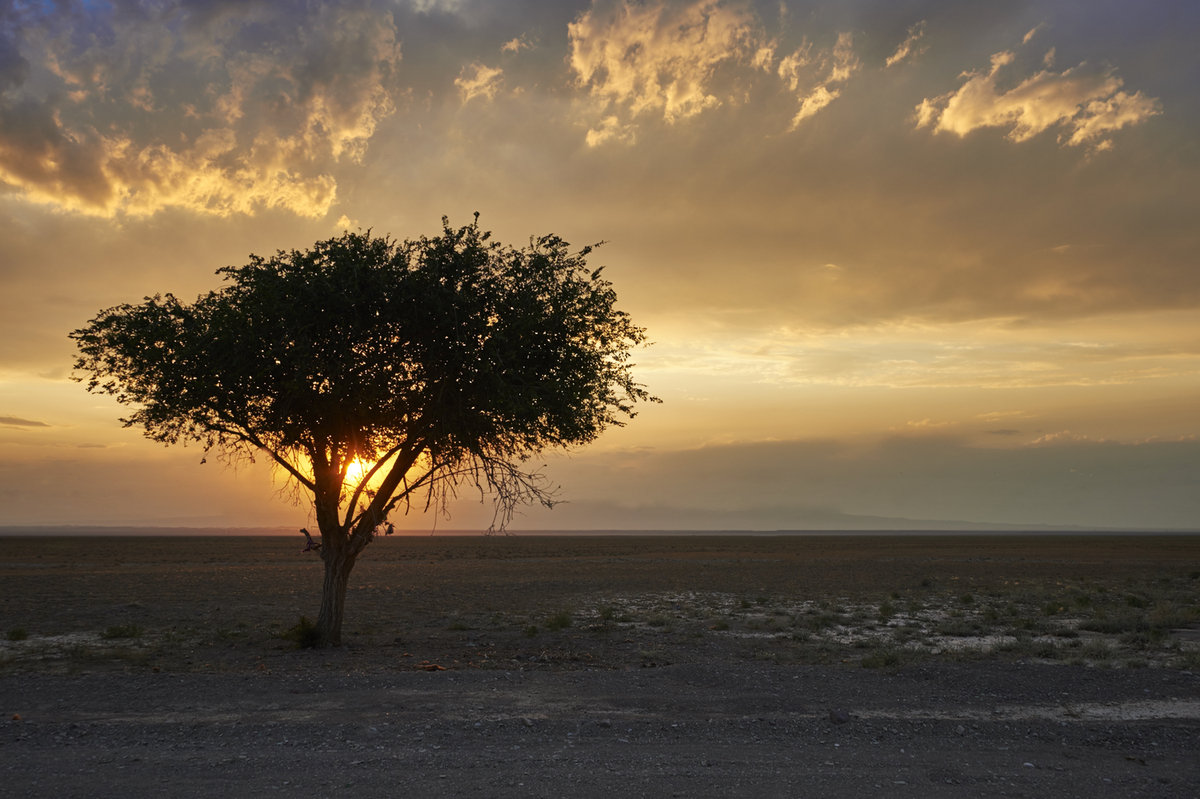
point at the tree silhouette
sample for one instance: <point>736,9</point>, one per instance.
<point>375,373</point>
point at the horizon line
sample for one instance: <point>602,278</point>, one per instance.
<point>147,530</point>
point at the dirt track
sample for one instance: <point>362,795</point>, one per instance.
<point>451,693</point>
<point>686,730</point>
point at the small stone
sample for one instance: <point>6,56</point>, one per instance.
<point>839,716</point>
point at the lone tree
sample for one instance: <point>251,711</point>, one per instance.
<point>376,373</point>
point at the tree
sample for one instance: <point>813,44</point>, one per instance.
<point>375,373</point>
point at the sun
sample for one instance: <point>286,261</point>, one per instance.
<point>357,471</point>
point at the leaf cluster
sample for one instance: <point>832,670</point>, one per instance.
<point>453,349</point>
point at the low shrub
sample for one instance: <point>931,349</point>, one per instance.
<point>304,634</point>
<point>559,621</point>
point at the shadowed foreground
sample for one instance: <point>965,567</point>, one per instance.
<point>532,666</point>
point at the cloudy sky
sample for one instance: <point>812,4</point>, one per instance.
<point>905,262</point>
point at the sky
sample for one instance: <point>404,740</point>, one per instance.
<point>904,263</point>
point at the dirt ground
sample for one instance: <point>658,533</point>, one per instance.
<point>598,666</point>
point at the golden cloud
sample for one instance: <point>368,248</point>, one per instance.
<point>247,110</point>
<point>654,57</point>
<point>478,80</point>
<point>831,68</point>
<point>1085,103</point>
<point>911,47</point>
<point>659,60</point>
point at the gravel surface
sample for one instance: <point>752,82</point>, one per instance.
<point>684,730</point>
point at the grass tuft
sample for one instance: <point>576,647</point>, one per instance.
<point>882,657</point>
<point>304,634</point>
<point>559,621</point>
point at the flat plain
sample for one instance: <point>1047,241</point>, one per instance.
<point>652,665</point>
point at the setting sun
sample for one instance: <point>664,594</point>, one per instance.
<point>357,471</point>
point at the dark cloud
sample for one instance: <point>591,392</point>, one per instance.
<point>14,69</point>
<point>16,421</point>
<point>803,484</point>
<point>36,151</point>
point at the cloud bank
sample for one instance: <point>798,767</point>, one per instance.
<point>213,107</point>
<point>225,108</point>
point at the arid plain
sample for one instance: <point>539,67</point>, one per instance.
<point>524,665</point>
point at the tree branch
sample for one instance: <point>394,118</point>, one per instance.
<point>366,479</point>
<point>250,438</point>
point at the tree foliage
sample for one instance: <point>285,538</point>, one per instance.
<point>431,361</point>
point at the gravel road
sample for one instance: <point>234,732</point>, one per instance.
<point>693,730</point>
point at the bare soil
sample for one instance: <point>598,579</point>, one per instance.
<point>594,666</point>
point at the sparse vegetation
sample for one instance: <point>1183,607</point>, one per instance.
<point>881,657</point>
<point>1093,616</point>
<point>122,631</point>
<point>559,621</point>
<point>886,612</point>
<point>304,634</point>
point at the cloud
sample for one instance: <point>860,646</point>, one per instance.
<point>911,47</point>
<point>981,354</point>
<point>916,476</point>
<point>478,80</point>
<point>927,424</point>
<point>516,45</point>
<point>815,79</point>
<point>1062,438</point>
<point>1085,103</point>
<point>663,60</point>
<point>656,58</point>
<point>16,421</point>
<point>609,129</point>
<point>216,108</point>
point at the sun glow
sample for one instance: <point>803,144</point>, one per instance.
<point>357,471</point>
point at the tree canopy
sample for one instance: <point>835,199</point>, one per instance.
<point>374,371</point>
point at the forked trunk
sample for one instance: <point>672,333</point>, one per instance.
<point>338,563</point>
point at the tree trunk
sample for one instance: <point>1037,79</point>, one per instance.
<point>338,563</point>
